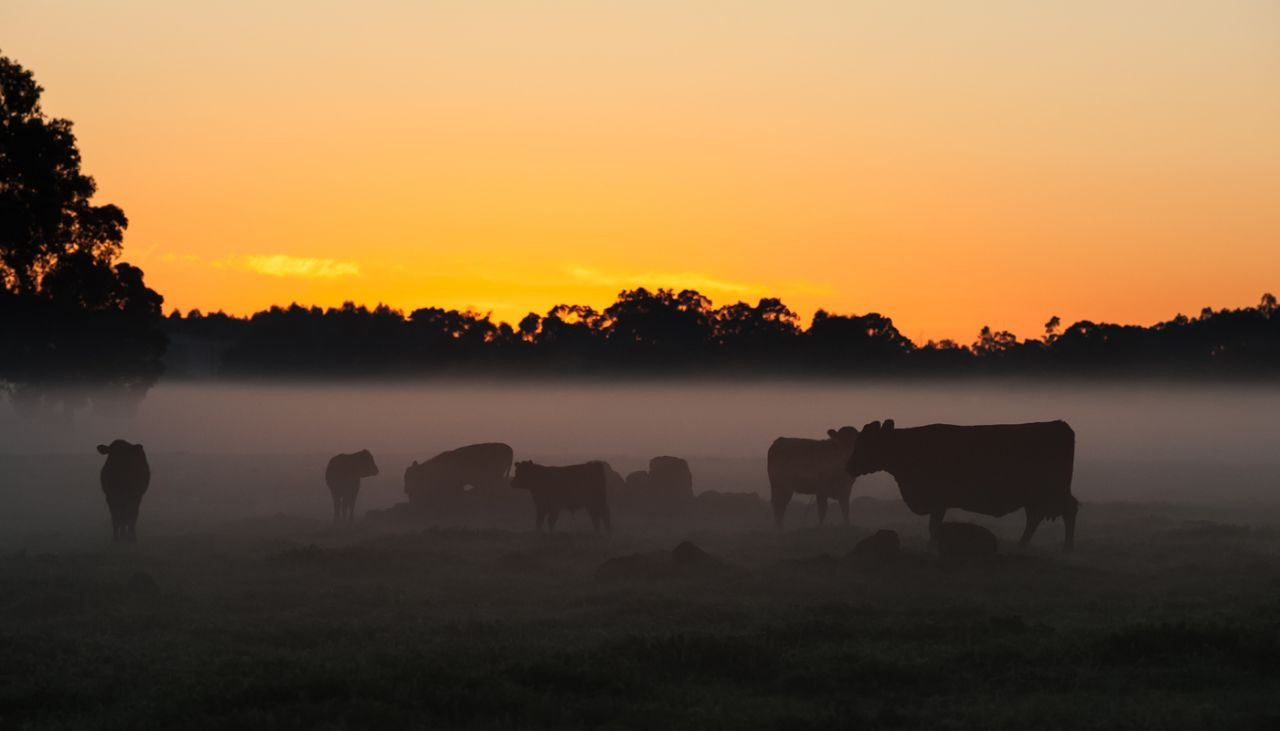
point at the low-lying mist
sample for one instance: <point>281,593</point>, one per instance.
<point>245,450</point>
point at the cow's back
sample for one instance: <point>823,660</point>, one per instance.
<point>805,463</point>
<point>991,469</point>
<point>571,487</point>
<point>126,476</point>
<point>476,458</point>
<point>340,472</point>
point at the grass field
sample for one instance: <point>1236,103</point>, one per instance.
<point>1160,619</point>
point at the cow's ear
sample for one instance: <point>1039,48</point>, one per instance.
<point>415,463</point>
<point>104,449</point>
<point>832,433</point>
<point>888,425</point>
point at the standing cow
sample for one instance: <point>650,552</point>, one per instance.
<point>993,470</point>
<point>812,467</point>
<point>444,478</point>
<point>343,477</point>
<point>569,488</point>
<point>125,478</point>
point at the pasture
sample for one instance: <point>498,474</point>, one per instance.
<point>1167,616</point>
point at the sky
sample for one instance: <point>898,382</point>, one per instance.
<point>949,164</point>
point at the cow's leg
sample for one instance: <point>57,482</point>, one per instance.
<point>935,522</point>
<point>337,507</point>
<point>1034,516</point>
<point>1069,521</point>
<point>844,507</point>
<point>780,498</point>
<point>822,508</point>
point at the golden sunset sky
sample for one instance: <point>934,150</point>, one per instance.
<point>950,164</point>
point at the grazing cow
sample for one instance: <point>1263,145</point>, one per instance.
<point>125,478</point>
<point>565,488</point>
<point>993,470</point>
<point>811,467</point>
<point>665,488</point>
<point>446,476</point>
<point>343,477</point>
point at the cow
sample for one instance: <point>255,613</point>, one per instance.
<point>670,481</point>
<point>993,470</point>
<point>811,467</point>
<point>446,476</point>
<point>125,478</point>
<point>565,488</point>
<point>665,488</point>
<point>343,477</point>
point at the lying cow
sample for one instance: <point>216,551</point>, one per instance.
<point>993,470</point>
<point>811,467</point>
<point>125,478</point>
<point>343,477</point>
<point>571,488</point>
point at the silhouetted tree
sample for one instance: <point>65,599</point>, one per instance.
<point>663,331</point>
<point>856,343</point>
<point>72,320</point>
<point>757,335</point>
<point>659,329</point>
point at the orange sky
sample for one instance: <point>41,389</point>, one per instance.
<point>949,164</point>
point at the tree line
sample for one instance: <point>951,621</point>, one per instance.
<point>77,325</point>
<point>669,332</point>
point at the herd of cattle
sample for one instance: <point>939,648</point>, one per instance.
<point>993,470</point>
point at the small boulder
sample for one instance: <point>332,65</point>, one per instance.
<point>142,583</point>
<point>965,541</point>
<point>883,546</point>
<point>687,553</point>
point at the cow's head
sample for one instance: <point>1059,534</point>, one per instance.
<point>871,452</point>
<point>364,465</point>
<point>846,435</point>
<point>120,449</point>
<point>520,478</point>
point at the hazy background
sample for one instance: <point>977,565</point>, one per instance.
<point>229,452</point>
<point>931,161</point>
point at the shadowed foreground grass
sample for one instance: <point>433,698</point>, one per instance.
<point>1154,623</point>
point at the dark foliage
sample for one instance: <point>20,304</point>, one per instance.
<point>668,332</point>
<point>72,320</point>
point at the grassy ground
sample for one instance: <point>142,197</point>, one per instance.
<point>1155,622</point>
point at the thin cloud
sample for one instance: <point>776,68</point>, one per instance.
<point>283,265</point>
<point>673,280</point>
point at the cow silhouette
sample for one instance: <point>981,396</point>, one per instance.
<point>666,488</point>
<point>445,478</point>
<point>993,470</point>
<point>572,488</point>
<point>343,475</point>
<point>125,478</point>
<point>812,467</point>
